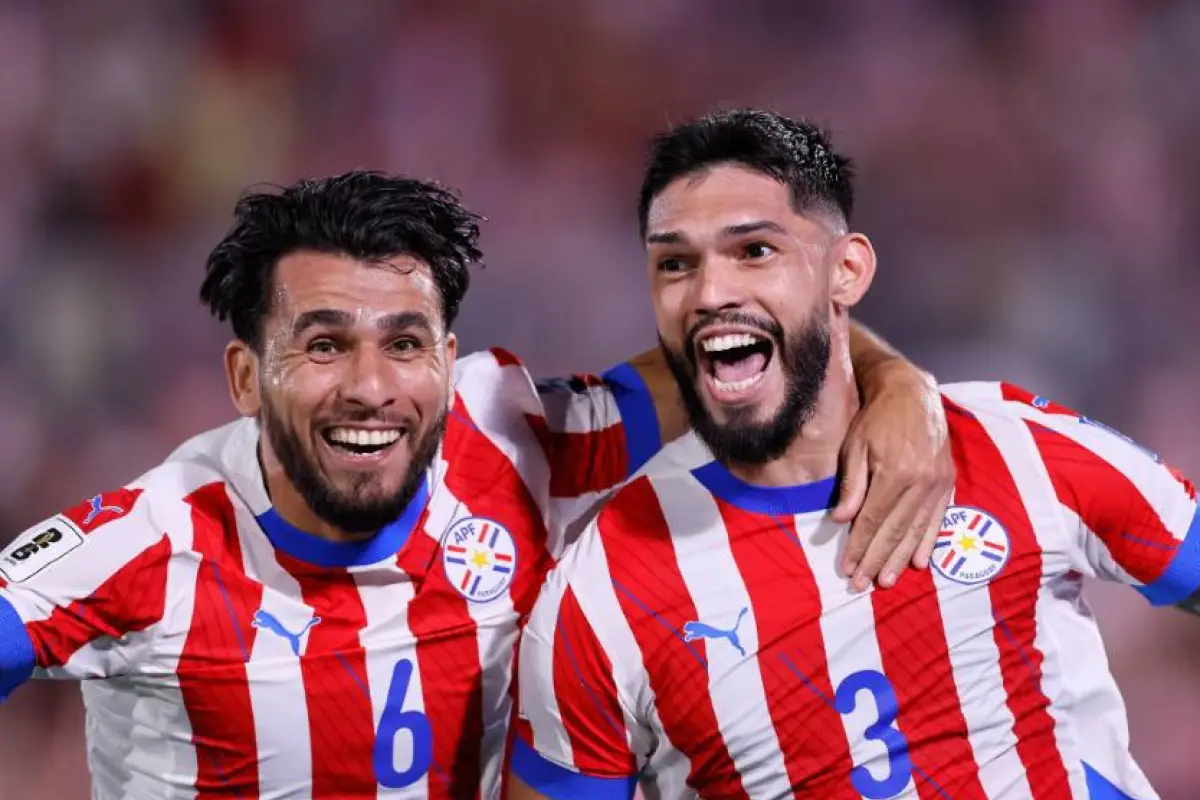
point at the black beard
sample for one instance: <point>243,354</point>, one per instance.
<point>354,511</point>
<point>742,440</point>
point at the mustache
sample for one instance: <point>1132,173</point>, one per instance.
<point>772,329</point>
<point>358,415</point>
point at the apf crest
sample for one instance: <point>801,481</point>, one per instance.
<point>973,547</point>
<point>480,558</point>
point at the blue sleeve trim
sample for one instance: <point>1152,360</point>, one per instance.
<point>1181,578</point>
<point>642,436</point>
<point>1100,788</point>
<point>560,783</point>
<point>17,657</point>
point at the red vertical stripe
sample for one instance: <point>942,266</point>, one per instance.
<point>656,603</point>
<point>1108,503</point>
<point>333,666</point>
<point>792,660</point>
<point>132,599</point>
<point>984,481</point>
<point>485,480</point>
<point>489,486</point>
<point>212,672</point>
<point>916,659</point>
<point>583,462</point>
<point>587,696</point>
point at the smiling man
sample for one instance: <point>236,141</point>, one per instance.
<point>322,599</point>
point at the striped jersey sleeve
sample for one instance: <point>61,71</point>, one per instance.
<point>577,735</point>
<point>574,439</point>
<point>1135,516</point>
<point>77,589</point>
<point>599,430</point>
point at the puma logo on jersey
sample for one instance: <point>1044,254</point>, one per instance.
<point>699,630</point>
<point>267,621</point>
<point>97,507</point>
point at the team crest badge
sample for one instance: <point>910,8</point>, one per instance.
<point>972,548</point>
<point>480,558</point>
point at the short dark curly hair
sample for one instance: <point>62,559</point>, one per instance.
<point>798,154</point>
<point>363,214</point>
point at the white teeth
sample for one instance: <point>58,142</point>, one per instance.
<point>728,341</point>
<point>362,438</point>
<point>737,386</point>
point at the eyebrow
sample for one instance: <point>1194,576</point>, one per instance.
<point>336,318</point>
<point>729,231</point>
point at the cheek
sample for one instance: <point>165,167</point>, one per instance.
<point>299,391</point>
<point>670,312</point>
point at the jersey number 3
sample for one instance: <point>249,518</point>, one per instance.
<point>392,722</point>
<point>883,730</point>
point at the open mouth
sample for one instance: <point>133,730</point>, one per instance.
<point>361,441</point>
<point>735,362</point>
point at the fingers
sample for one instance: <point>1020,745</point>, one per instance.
<point>891,541</point>
<point>853,489</point>
<point>933,528</point>
<point>866,520</point>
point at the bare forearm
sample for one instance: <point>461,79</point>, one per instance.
<point>872,357</point>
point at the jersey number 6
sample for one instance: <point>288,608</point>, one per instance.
<point>883,730</point>
<point>394,720</point>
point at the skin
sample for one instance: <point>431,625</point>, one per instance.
<point>349,344</point>
<point>727,242</point>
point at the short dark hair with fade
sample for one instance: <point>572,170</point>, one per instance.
<point>798,154</point>
<point>362,214</point>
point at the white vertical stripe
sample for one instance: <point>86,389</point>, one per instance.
<point>851,646</point>
<point>386,591</point>
<point>539,701</point>
<point>716,587</point>
<point>277,695</point>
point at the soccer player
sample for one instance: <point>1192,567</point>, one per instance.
<point>322,599</point>
<point>699,634</point>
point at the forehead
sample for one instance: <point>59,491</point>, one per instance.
<point>719,197</point>
<point>309,280</point>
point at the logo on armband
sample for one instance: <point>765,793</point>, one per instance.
<point>973,547</point>
<point>480,558</point>
<point>38,548</point>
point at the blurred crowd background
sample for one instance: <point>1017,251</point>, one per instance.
<point>1030,175</point>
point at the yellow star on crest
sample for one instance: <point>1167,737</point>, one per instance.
<point>967,542</point>
<point>480,559</point>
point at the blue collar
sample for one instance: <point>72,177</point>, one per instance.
<point>774,500</point>
<point>326,553</point>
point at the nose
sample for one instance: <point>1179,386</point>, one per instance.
<point>370,381</point>
<point>717,287</point>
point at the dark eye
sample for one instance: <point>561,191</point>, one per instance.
<point>670,264</point>
<point>323,346</point>
<point>756,250</point>
<point>406,345</point>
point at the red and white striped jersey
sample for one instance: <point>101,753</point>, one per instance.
<point>237,656</point>
<point>701,637</point>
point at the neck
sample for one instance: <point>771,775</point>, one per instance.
<point>815,453</point>
<point>290,504</point>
